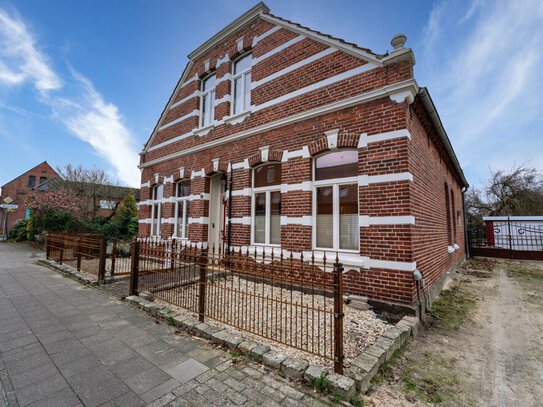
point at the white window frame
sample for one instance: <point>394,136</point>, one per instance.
<point>184,200</point>
<point>156,206</point>
<point>107,204</point>
<point>259,190</point>
<point>335,184</point>
<point>211,102</point>
<point>242,76</point>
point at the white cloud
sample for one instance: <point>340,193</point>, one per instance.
<point>485,77</point>
<point>83,112</point>
<point>20,61</point>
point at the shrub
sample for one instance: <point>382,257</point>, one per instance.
<point>19,232</point>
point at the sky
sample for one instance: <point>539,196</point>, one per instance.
<point>84,82</point>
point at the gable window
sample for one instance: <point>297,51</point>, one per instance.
<point>242,84</point>
<point>182,202</point>
<point>42,180</point>
<point>32,181</point>
<point>156,209</point>
<point>336,201</point>
<point>267,204</point>
<point>207,108</point>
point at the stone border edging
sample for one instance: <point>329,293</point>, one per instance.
<point>78,275</point>
<point>366,365</point>
<point>355,381</point>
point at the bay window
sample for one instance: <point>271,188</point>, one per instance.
<point>267,204</point>
<point>182,202</point>
<point>156,209</point>
<point>207,108</point>
<point>336,201</point>
<point>242,84</point>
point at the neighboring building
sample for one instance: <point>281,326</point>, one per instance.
<point>329,147</point>
<point>17,188</point>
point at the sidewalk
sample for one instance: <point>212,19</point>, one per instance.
<point>64,344</point>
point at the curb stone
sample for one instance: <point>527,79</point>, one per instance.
<point>367,364</point>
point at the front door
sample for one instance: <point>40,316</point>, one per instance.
<point>216,213</point>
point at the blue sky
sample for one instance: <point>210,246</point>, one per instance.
<point>85,82</point>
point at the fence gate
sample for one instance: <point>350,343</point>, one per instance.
<point>509,239</point>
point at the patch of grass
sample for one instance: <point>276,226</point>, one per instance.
<point>337,397</point>
<point>357,401</point>
<point>524,269</point>
<point>168,320</point>
<point>452,306</point>
<point>322,383</point>
<point>235,353</point>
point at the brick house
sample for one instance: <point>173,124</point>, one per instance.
<point>327,146</point>
<point>17,188</point>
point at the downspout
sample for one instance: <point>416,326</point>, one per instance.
<point>229,240</point>
<point>466,243</point>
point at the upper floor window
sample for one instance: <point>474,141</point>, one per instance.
<point>267,204</point>
<point>32,181</point>
<point>156,209</point>
<point>182,202</point>
<point>43,179</point>
<point>107,204</point>
<point>448,215</point>
<point>336,200</point>
<point>242,84</point>
<point>207,111</point>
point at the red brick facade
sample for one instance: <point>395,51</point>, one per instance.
<point>310,95</point>
<point>19,187</point>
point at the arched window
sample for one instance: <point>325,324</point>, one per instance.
<point>336,201</point>
<point>267,204</point>
<point>453,217</point>
<point>182,203</point>
<point>207,108</point>
<point>156,210</point>
<point>241,84</point>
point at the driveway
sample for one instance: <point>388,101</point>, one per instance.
<point>64,344</point>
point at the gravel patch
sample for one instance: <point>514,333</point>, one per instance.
<point>361,327</point>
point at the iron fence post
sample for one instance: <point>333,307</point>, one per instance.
<point>102,261</point>
<point>78,254</point>
<point>113,257</point>
<point>47,247</point>
<point>134,268</point>
<point>61,255</point>
<point>203,273</point>
<point>338,318</point>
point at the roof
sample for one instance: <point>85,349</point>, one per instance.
<point>431,110</point>
<point>26,172</point>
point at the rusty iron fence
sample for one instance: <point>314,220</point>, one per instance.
<point>293,301</point>
<point>507,239</point>
<point>83,251</point>
<point>118,258</point>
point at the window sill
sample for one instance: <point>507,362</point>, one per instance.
<point>202,131</point>
<point>237,118</point>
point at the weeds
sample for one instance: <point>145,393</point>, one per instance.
<point>452,307</point>
<point>322,383</point>
<point>357,401</point>
<point>168,320</point>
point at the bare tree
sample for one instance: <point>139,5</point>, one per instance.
<point>91,186</point>
<point>515,192</point>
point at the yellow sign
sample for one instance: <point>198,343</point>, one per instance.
<point>8,199</point>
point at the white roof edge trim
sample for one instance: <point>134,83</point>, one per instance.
<point>322,39</point>
<point>167,108</point>
<point>229,29</point>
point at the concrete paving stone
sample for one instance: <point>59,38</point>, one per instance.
<point>236,397</point>
<point>160,390</point>
<point>131,367</point>
<point>37,391</point>
<point>17,343</point>
<point>113,351</point>
<point>259,350</point>
<point>186,387</point>
<point>235,384</point>
<point>217,385</point>
<point>128,399</point>
<point>205,330</point>
<point>313,373</point>
<point>147,380</point>
<point>342,385</point>
<point>204,377</point>
<point>27,361</point>
<point>294,368</point>
<point>64,398</point>
<point>187,370</point>
<point>163,401</point>
<point>78,365</point>
<point>271,393</point>
<point>203,355</point>
<point>194,398</point>
<point>376,352</point>
<point>35,374</point>
<point>179,402</point>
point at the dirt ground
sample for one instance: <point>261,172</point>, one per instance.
<point>482,346</point>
